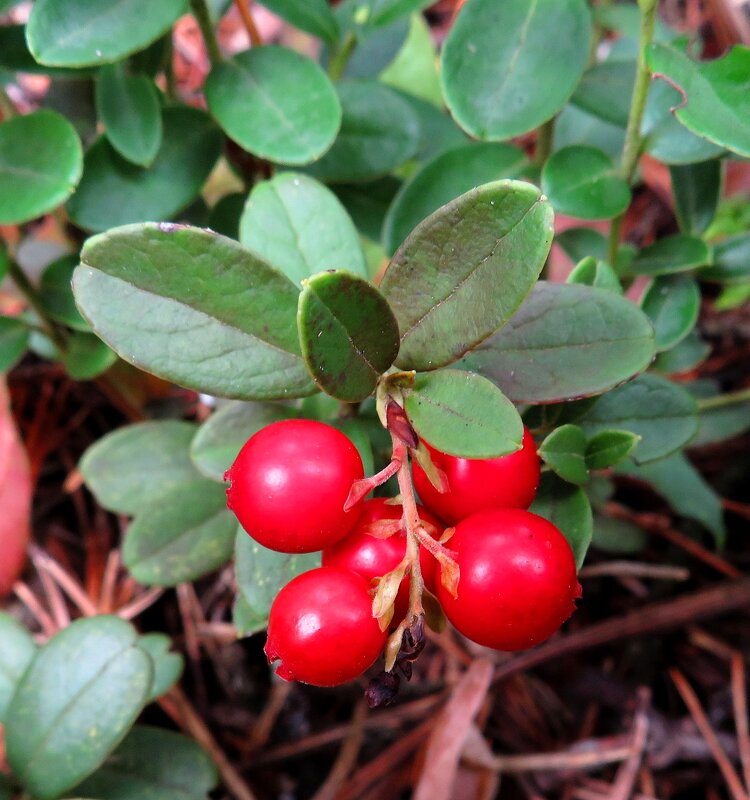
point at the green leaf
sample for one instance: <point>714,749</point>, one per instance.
<point>677,253</point>
<point>438,132</point>
<point>672,303</point>
<point>75,703</point>
<point>508,67</point>
<point>696,189</point>
<point>129,107</point>
<point>367,203</point>
<point>376,47</point>
<point>260,574</point>
<point>605,91</point>
<point>225,215</point>
<point>685,356</point>
<point>580,243</point>
<point>383,12</point>
<point>17,648</point>
<point>732,296</point>
<point>313,16</point>
<point>718,423</point>
<point>683,487</point>
<point>591,271</point>
<point>174,300</point>
<point>464,271</point>
<point>115,192</point>
<point>566,341</point>
<point>618,536</point>
<point>609,447</point>
<point>731,260</point>
<point>414,69</point>
<point>222,435</point>
<point>443,179</point>
<point>662,413</point>
<point>14,339</point>
<point>463,414</point>
<point>153,764</point>
<point>81,33</point>
<point>40,165</point>
<point>168,666</point>
<point>563,451</point>
<point>379,132</point>
<point>275,103</point>
<point>583,182</point>
<point>134,466</point>
<point>567,507</point>
<point>716,101</point>
<point>573,125</point>
<point>299,226</point>
<point>185,534</point>
<point>348,334</point>
<point>87,356</point>
<point>56,294</point>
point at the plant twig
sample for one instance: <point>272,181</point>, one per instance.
<point>544,137</point>
<point>66,582</point>
<point>635,569</point>
<point>18,276</point>
<point>739,703</point>
<point>243,6</point>
<point>722,400</point>
<point>340,57</point>
<point>37,610</point>
<point>203,18</point>
<point>627,774</point>
<point>347,757</point>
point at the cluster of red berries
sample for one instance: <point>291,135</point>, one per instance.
<point>288,488</point>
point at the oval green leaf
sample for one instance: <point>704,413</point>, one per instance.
<point>40,164</point>
<point>136,465</point>
<point>87,356</point>
<point>56,294</point>
<point>563,451</point>
<point>275,103</point>
<point>300,226</point>
<point>443,179</point>
<point>606,448</point>
<point>14,339</point>
<point>80,33</point>
<point>677,253</point>
<point>583,182</point>
<point>176,301</point>
<point>465,270</point>
<point>313,16</point>
<point>696,189</point>
<point>185,534</point>
<point>75,703</point>
<point>508,67</point>
<point>685,356</point>
<point>662,413</point>
<point>731,261</point>
<point>463,414</point>
<point>566,341</point>
<point>379,132</point>
<point>168,665</point>
<point>591,271</point>
<point>672,303</point>
<point>129,107</point>
<point>348,334</point>
<point>17,648</point>
<point>605,91</point>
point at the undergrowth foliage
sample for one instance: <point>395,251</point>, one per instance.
<point>358,240</point>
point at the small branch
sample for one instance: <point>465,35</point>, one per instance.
<point>739,703</point>
<point>243,6</point>
<point>544,137</point>
<point>635,569</point>
<point>36,609</point>
<point>7,109</point>
<point>722,400</point>
<point>68,584</point>
<point>340,57</point>
<point>203,18</point>
<point>140,604</point>
<point>347,757</point>
<point>18,276</point>
<point>627,774</point>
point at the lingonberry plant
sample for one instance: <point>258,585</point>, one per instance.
<point>341,250</point>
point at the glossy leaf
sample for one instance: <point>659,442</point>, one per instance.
<point>573,125</point>
<point>146,289</point>
<point>299,226</point>
<point>185,534</point>
<point>276,103</point>
<point>662,413</point>
<point>348,334</point>
<point>685,356</point>
<point>134,466</point>
<point>443,179</point>
<point>464,271</point>
<point>463,414</point>
<point>379,132</point>
<point>260,574</point>
<point>115,192</point>
<point>580,243</point>
<point>563,451</point>
<point>731,260</point>
<point>583,182</point>
<point>609,447</point>
<point>14,339</point>
<point>414,69</point>
<point>721,422</point>
<point>225,215</point>
<point>508,67</point>
<point>683,487</point>
<point>696,189</point>
<point>591,271</point>
<point>566,341</point>
<point>87,356</point>
<point>376,47</point>
<point>153,764</point>
<point>605,91</point>
<point>168,665</point>
<point>56,294</point>
<point>221,436</point>
<point>75,703</point>
<point>313,16</point>
<point>716,101</point>
<point>367,203</point>
<point>677,253</point>
<point>40,164</point>
<point>672,303</point>
<point>438,132</point>
<point>17,648</point>
<point>567,507</point>
<point>79,33</point>
<point>129,107</point>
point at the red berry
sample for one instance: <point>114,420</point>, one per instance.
<point>518,579</point>
<point>321,628</point>
<point>289,484</point>
<point>371,557</point>
<point>477,484</point>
